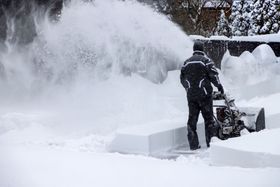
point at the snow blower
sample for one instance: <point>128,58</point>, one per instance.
<point>231,120</point>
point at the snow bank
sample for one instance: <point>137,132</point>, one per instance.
<point>253,150</point>
<point>258,71</point>
<point>150,139</point>
<point>264,54</point>
<point>155,138</point>
<point>253,79</point>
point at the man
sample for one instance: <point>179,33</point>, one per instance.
<point>197,74</point>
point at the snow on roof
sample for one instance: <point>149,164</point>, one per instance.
<point>216,3</point>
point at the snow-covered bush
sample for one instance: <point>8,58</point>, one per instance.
<point>223,28</point>
<point>240,18</point>
<point>265,17</point>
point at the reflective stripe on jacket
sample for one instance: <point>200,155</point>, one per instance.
<point>197,74</point>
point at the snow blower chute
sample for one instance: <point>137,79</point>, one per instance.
<point>231,121</point>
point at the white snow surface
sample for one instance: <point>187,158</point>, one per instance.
<point>56,133</point>
<point>253,70</point>
<point>252,142</point>
<point>248,151</point>
<point>51,167</point>
<point>256,38</point>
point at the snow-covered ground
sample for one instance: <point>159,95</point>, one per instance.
<point>58,148</point>
<point>44,167</point>
<point>254,150</point>
<point>56,133</point>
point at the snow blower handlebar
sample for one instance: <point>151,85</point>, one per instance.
<point>219,96</point>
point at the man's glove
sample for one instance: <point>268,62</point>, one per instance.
<point>221,89</point>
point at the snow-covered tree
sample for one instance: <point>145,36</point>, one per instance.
<point>223,28</point>
<point>265,17</point>
<point>198,17</point>
<point>240,18</point>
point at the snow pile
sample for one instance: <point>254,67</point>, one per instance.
<point>253,150</point>
<point>258,70</point>
<point>253,78</point>
<point>265,55</point>
<point>260,65</point>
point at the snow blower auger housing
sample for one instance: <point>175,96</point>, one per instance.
<point>230,120</point>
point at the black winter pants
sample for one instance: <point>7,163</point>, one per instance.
<point>205,105</point>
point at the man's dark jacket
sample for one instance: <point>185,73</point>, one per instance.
<point>197,74</point>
